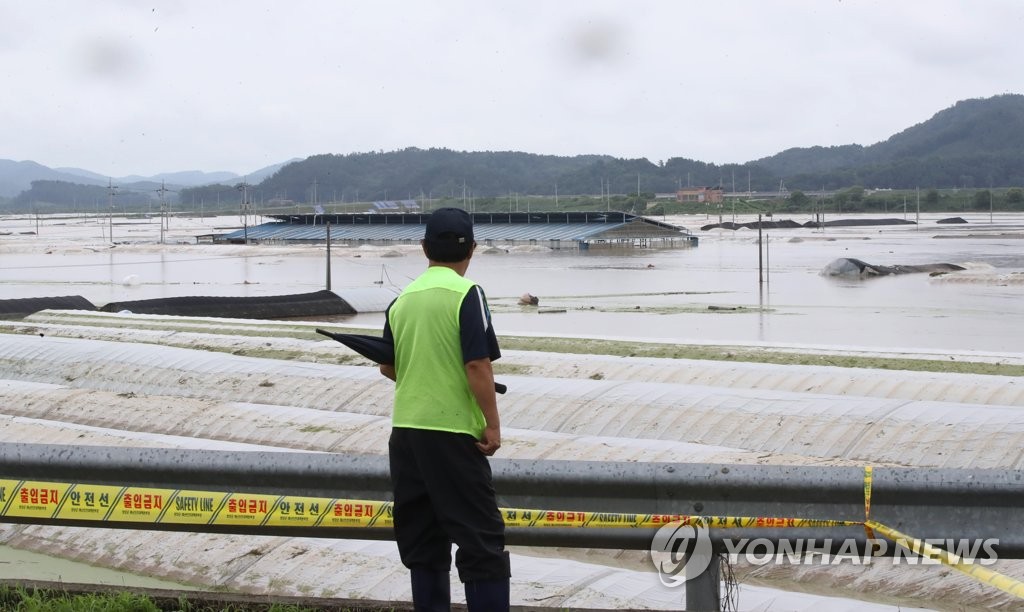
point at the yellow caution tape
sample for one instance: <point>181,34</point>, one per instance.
<point>557,518</point>
<point>868,479</point>
<point>111,503</point>
<point>85,502</point>
<point>925,550</point>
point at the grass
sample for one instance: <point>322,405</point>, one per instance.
<point>55,601</point>
<point>27,599</point>
<point>579,346</point>
<point>591,346</point>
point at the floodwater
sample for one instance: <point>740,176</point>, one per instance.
<point>16,564</point>
<point>708,294</point>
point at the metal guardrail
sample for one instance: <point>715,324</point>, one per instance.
<point>924,502</point>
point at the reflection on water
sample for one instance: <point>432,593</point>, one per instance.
<point>707,294</point>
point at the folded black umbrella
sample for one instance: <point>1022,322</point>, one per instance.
<point>376,349</point>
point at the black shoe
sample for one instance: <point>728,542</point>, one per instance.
<point>487,595</point>
<point>431,591</point>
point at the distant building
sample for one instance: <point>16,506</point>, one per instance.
<point>388,225</point>
<point>707,195</point>
<point>396,206</point>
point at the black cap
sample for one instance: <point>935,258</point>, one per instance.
<point>449,225</point>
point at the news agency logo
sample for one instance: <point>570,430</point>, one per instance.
<point>680,552</point>
<point>810,551</point>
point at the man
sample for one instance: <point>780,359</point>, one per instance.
<point>445,425</point>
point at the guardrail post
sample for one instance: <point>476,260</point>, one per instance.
<point>703,590</point>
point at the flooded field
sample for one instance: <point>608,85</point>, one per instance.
<point>707,294</point>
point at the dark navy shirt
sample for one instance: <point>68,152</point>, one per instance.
<point>477,334</point>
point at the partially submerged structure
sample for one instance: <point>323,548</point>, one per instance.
<point>557,230</point>
<point>324,303</point>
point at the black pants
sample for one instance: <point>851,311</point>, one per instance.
<point>443,494</point>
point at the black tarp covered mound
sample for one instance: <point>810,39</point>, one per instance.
<point>316,304</point>
<point>848,266</point>
<point>765,224</point>
<point>22,307</point>
<point>858,222</point>
<point>790,224</point>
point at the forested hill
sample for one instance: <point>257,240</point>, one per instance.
<point>415,173</point>
<point>974,144</point>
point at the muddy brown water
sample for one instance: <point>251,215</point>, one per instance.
<point>713,293</point>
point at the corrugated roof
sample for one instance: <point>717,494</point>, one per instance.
<point>517,227</point>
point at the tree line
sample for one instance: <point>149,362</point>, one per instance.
<point>974,145</point>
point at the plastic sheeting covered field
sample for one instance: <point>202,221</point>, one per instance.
<point>129,380</point>
<point>70,386</point>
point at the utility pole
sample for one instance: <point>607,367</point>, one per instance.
<point>111,192</point>
<point>245,208</point>
<point>760,263</point>
<point>328,255</point>
<point>164,222</point>
<point>918,221</point>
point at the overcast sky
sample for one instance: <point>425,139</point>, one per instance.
<point>125,87</point>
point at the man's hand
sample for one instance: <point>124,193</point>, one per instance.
<point>481,383</point>
<point>490,441</point>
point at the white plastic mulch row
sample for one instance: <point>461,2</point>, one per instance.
<point>825,426</point>
<point>887,383</point>
<point>56,414</point>
<point>85,391</point>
